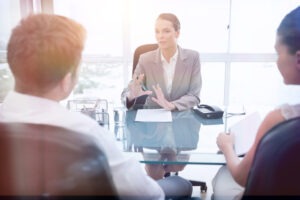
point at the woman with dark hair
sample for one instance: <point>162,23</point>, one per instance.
<point>231,179</point>
<point>170,76</point>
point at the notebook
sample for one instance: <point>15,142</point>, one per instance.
<point>244,132</point>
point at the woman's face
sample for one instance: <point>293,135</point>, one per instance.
<point>165,34</point>
<point>287,63</point>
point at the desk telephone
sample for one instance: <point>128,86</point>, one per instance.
<point>208,111</point>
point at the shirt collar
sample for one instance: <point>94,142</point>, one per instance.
<point>22,101</point>
<point>173,58</point>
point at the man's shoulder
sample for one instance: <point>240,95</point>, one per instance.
<point>80,121</point>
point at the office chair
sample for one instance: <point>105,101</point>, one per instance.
<point>138,51</point>
<point>275,168</point>
<point>46,161</point>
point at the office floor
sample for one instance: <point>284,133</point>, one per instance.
<point>201,173</point>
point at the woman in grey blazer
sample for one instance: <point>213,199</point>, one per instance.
<point>168,77</point>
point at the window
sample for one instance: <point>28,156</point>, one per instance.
<point>254,24</point>
<point>102,20</point>
<point>212,91</point>
<point>102,67</point>
<point>243,40</point>
<point>259,84</point>
<point>9,16</point>
<point>199,19</point>
<point>235,39</point>
<point>254,78</point>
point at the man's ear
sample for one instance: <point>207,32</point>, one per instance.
<point>67,83</point>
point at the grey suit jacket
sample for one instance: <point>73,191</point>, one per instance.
<point>187,80</point>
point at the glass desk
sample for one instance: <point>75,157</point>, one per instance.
<point>188,139</point>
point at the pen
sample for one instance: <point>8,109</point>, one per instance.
<point>144,88</point>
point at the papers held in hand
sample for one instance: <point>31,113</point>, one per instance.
<point>244,133</point>
<point>153,115</point>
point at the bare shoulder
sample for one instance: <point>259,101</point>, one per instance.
<point>273,118</point>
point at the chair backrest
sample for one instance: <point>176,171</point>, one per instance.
<point>276,165</point>
<point>43,160</point>
<point>140,50</point>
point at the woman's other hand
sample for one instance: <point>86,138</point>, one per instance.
<point>161,100</point>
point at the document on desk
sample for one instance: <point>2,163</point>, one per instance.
<point>244,133</point>
<point>153,115</point>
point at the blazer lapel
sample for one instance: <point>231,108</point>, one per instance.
<point>159,73</point>
<point>180,69</point>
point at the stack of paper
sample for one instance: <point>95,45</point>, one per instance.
<point>153,115</point>
<point>244,132</point>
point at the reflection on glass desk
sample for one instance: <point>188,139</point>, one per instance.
<point>182,141</point>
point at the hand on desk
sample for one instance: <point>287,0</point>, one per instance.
<point>161,100</point>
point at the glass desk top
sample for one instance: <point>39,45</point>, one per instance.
<point>188,139</point>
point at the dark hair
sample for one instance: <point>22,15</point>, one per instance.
<point>289,30</point>
<point>43,48</point>
<point>172,18</point>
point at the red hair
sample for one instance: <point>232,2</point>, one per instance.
<point>42,49</point>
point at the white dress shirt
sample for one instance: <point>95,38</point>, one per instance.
<point>289,111</point>
<point>169,70</point>
<point>128,175</point>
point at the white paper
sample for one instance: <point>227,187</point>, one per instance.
<point>244,132</point>
<point>153,115</point>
